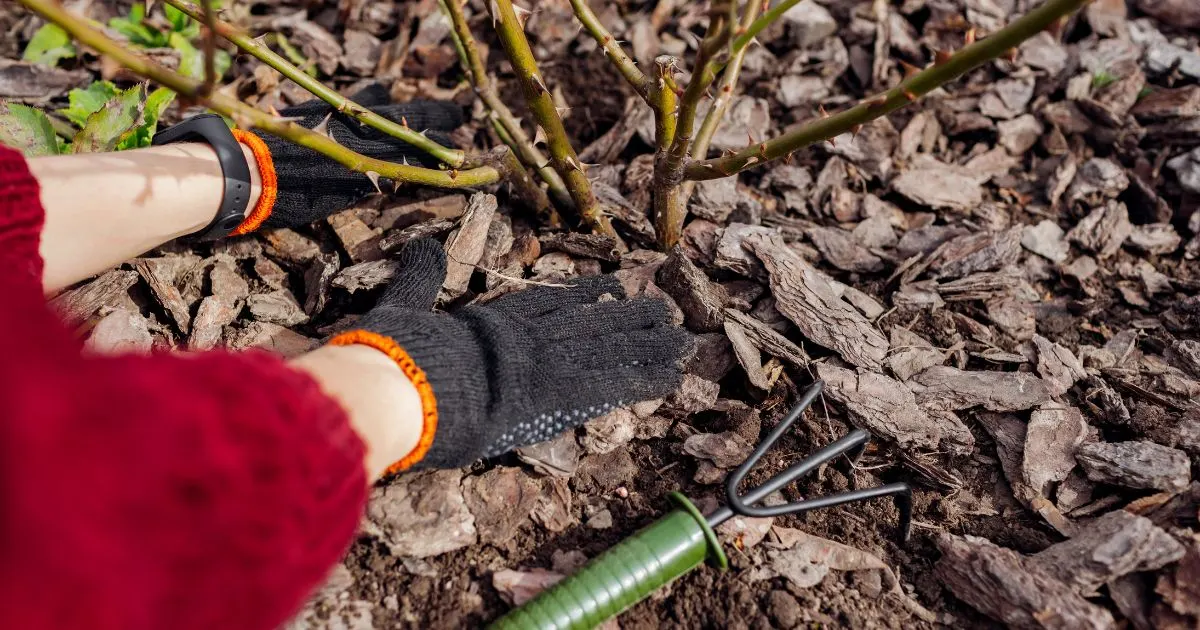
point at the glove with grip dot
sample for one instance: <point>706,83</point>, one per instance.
<point>522,368</point>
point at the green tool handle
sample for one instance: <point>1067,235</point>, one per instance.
<point>624,575</point>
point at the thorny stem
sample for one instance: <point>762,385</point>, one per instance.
<point>451,157</point>
<point>501,116</point>
<point>210,48</point>
<point>751,30</point>
<point>612,49</point>
<point>943,70</point>
<point>720,106</point>
<point>724,97</point>
<point>562,154</point>
<point>668,102</point>
<point>246,115</point>
<point>670,208</point>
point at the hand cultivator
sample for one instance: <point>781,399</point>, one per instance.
<point>678,542</point>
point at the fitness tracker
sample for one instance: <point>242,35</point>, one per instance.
<point>212,129</point>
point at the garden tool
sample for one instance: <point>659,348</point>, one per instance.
<point>678,542</point>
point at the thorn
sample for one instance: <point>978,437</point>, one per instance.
<point>877,102</point>
<point>821,109</point>
<point>573,163</point>
<point>522,14</point>
<point>494,9</point>
<point>453,173</point>
<point>750,137</point>
<point>1011,55</point>
<point>537,79</point>
<point>753,159</point>
<point>374,177</point>
<point>562,111</point>
<point>941,56</point>
<point>909,69</point>
<point>539,135</point>
<point>404,160</point>
<point>323,126</point>
<point>762,150</point>
<point>833,142</point>
<point>787,159</point>
<point>854,130</point>
<point>404,122</point>
<point>969,38</point>
<point>910,96</point>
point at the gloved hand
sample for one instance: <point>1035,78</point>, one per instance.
<point>522,368</point>
<point>310,186</point>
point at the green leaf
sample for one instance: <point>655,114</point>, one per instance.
<point>49,45</point>
<point>181,23</point>
<point>85,102</point>
<point>156,104</point>
<point>118,119</point>
<point>27,130</point>
<point>191,59</point>
<point>136,30</point>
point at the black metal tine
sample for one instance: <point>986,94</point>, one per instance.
<point>735,479</point>
<point>852,445</point>
<point>901,492</point>
<point>745,504</point>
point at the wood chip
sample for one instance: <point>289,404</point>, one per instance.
<point>951,389</point>
<point>885,407</point>
<point>939,186</point>
<point>909,354</point>
<point>423,514</point>
<point>278,307</point>
<point>594,246</point>
<point>272,337</point>
<point>397,239</point>
<point>842,250</point>
<point>973,253</point>
<point>608,432</point>
<point>1004,585</point>
<point>213,315</point>
<point>702,300</point>
<point>501,501</point>
<point>766,339</point>
<point>120,331</point>
<point>465,247</point>
<point>1057,366</point>
<point>1114,545</point>
<point>747,354</point>
<point>78,304</point>
<point>161,274</point>
<point>805,297</point>
<point>366,276</point>
<point>318,278</point>
<point>1142,465</point>
<point>1054,433</point>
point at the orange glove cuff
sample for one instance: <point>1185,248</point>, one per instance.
<point>415,374</point>
<point>270,183</point>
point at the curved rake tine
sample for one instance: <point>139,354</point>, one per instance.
<point>852,445</point>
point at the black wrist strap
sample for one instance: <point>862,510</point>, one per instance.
<point>212,129</point>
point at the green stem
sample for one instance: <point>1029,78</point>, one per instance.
<point>502,117</point>
<point>247,116</point>
<point>210,48</point>
<point>537,95</point>
<point>452,157</point>
<point>747,34</point>
<point>670,206</point>
<point>612,49</point>
<point>915,86</point>
<point>668,102</point>
<point>724,97</point>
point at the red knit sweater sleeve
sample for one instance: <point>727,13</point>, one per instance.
<point>211,490</point>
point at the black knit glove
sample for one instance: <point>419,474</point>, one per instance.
<point>312,186</point>
<point>522,368</point>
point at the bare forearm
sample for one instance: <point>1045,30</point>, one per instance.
<point>383,405</point>
<point>104,209</point>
